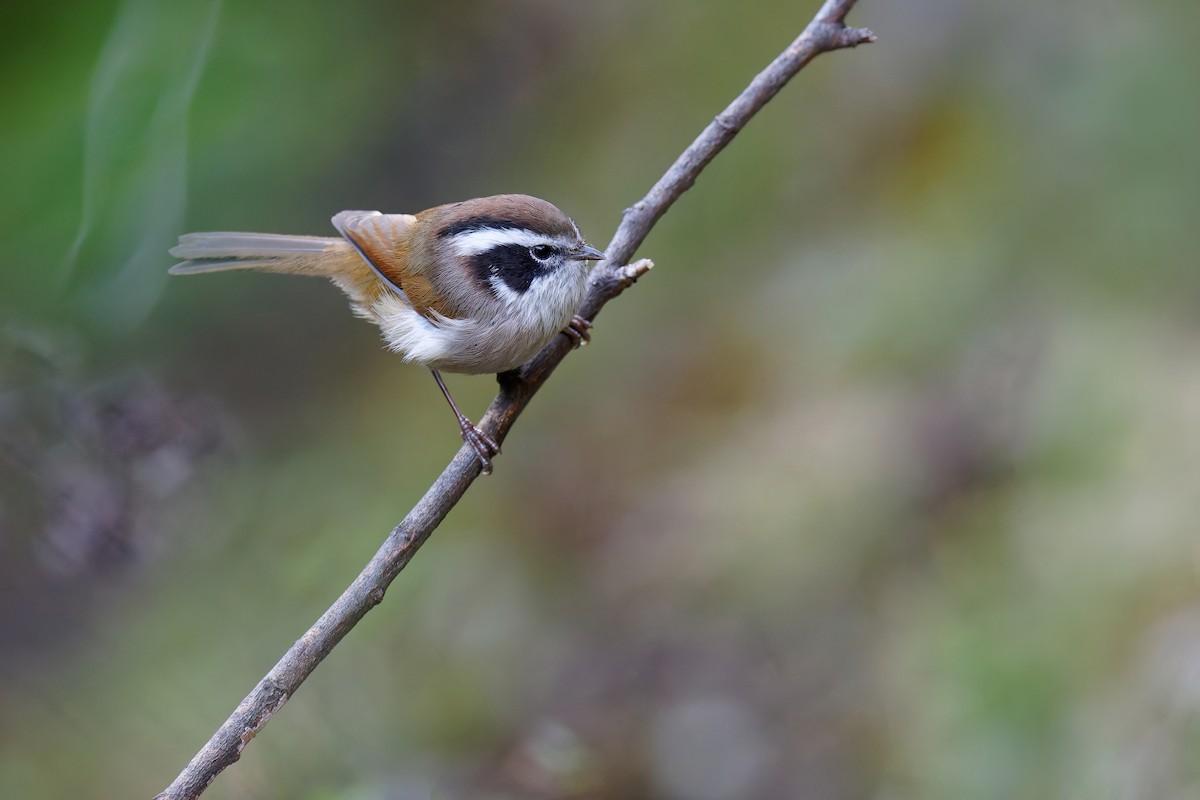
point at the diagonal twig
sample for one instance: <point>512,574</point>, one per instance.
<point>825,33</point>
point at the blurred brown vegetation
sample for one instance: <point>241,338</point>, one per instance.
<point>882,485</point>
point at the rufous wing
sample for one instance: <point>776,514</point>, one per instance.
<point>380,239</point>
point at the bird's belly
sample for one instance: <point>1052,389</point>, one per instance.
<point>464,345</point>
<point>495,348</point>
<point>497,343</point>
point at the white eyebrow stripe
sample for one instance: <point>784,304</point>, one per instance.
<point>469,243</point>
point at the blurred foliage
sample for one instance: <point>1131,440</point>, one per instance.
<point>883,484</point>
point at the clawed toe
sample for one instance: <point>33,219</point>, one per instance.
<point>577,331</point>
<point>484,446</point>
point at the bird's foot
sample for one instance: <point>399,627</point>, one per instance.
<point>484,446</point>
<point>577,331</point>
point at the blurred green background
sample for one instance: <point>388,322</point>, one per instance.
<point>884,484</point>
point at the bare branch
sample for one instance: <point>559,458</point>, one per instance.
<point>827,32</point>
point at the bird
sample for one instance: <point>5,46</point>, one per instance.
<point>477,286</point>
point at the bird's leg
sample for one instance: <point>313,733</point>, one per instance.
<point>577,331</point>
<point>485,446</point>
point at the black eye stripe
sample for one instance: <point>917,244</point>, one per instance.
<point>511,263</point>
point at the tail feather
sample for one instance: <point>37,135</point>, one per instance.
<point>224,244</point>
<point>202,265</point>
<point>268,252</point>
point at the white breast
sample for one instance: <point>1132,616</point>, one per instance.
<point>519,325</point>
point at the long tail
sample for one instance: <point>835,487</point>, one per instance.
<point>267,252</point>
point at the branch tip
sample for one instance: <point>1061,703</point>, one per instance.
<point>631,272</point>
<point>859,36</point>
<point>836,36</point>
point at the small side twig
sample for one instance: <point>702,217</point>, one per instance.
<point>827,32</point>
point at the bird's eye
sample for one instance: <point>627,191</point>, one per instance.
<point>541,252</point>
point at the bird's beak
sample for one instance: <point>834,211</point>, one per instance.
<point>587,253</point>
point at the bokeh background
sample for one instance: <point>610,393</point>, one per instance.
<point>884,484</point>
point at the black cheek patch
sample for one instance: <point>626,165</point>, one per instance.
<point>511,263</point>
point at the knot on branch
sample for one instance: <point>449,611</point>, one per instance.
<point>724,123</point>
